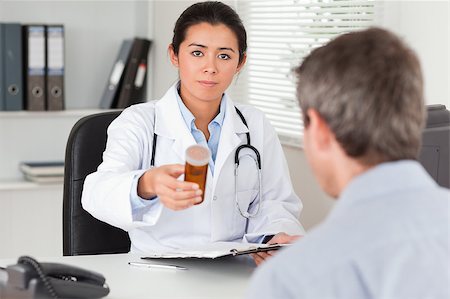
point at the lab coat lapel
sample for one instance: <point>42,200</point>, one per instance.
<point>230,139</point>
<point>170,124</point>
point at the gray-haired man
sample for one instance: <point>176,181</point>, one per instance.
<point>388,235</point>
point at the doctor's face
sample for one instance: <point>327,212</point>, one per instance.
<point>207,61</point>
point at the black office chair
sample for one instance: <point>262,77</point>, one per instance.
<point>435,152</point>
<point>82,233</point>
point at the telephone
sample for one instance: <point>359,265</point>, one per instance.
<point>29,279</point>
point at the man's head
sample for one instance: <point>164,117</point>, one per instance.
<point>364,92</point>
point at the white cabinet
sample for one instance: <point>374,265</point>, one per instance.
<point>31,214</point>
<point>30,220</point>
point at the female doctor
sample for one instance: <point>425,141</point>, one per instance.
<point>139,186</point>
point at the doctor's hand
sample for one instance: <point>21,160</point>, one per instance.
<point>173,194</point>
<point>280,238</point>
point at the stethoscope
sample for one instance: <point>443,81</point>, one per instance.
<point>256,159</point>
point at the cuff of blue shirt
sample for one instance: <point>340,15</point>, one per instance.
<point>138,202</point>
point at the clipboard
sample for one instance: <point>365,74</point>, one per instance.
<point>214,251</point>
<point>235,252</point>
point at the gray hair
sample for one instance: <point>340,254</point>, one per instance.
<point>368,87</point>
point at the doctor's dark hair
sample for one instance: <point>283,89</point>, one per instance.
<point>368,88</point>
<point>214,13</point>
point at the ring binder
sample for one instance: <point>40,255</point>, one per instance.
<point>11,69</point>
<point>55,67</point>
<point>133,89</point>
<point>34,58</point>
<point>115,81</point>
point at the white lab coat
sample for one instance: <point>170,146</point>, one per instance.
<point>151,226</point>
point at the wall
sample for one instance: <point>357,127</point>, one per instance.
<point>316,204</point>
<point>424,25</point>
<point>164,17</point>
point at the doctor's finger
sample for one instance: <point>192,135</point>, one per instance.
<point>173,193</point>
<point>258,260</point>
<point>165,182</point>
<point>171,204</point>
<point>175,170</point>
<point>283,238</point>
<point>182,195</point>
<point>182,204</point>
<point>263,255</point>
<point>182,198</point>
<point>182,185</point>
<point>272,252</point>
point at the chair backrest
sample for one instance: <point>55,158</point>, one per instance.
<point>435,152</point>
<point>82,233</point>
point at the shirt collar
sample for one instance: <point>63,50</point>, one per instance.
<point>221,116</point>
<point>383,179</point>
<point>189,118</point>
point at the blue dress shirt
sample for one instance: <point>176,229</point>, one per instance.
<point>214,128</point>
<point>386,238</point>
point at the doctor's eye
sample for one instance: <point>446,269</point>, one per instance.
<point>224,56</point>
<point>197,53</point>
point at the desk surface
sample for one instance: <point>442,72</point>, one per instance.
<point>221,278</point>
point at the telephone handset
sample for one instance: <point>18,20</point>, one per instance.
<point>32,280</point>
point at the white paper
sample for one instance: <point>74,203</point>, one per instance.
<point>116,73</point>
<point>36,52</point>
<point>140,75</point>
<point>55,48</point>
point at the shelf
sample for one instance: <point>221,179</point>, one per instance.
<point>16,185</point>
<point>62,113</point>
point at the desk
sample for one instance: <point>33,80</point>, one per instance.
<point>221,278</point>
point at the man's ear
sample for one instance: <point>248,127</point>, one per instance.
<point>242,63</point>
<point>173,56</point>
<point>319,131</point>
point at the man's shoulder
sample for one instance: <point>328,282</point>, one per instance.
<point>314,268</point>
<point>299,271</point>
<point>311,256</point>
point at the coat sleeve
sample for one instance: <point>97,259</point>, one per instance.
<point>107,193</point>
<point>280,206</point>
